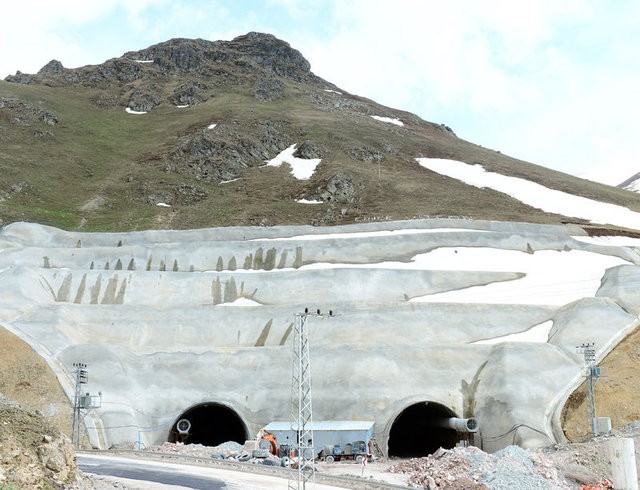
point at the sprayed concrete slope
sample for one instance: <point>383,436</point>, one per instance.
<point>171,320</point>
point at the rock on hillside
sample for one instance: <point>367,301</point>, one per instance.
<point>176,124</point>
<point>33,453</point>
<point>251,55</point>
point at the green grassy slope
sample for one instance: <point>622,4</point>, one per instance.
<point>102,169</point>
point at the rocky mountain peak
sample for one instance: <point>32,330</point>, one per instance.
<point>254,50</point>
<point>270,52</point>
<point>54,66</point>
<point>246,55</point>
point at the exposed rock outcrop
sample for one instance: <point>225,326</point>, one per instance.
<point>339,188</point>
<point>309,149</point>
<point>242,56</point>
<point>145,98</point>
<point>366,153</point>
<point>53,67</point>
<point>33,454</point>
<point>24,113</point>
<point>189,93</point>
<point>227,152</point>
<point>268,88</point>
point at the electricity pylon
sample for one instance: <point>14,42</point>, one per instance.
<point>301,408</point>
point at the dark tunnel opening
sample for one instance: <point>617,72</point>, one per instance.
<point>210,424</point>
<point>415,432</point>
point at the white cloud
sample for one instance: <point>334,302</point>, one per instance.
<point>548,82</point>
<point>42,30</point>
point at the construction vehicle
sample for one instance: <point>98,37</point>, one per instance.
<point>266,440</point>
<point>353,451</point>
<point>332,440</point>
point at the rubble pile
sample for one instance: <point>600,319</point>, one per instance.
<point>229,450</point>
<point>471,468</point>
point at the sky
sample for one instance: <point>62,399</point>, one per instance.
<point>550,82</point>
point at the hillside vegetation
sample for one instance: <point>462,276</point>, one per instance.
<point>72,157</point>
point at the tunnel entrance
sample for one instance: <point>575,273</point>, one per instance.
<point>209,424</point>
<point>415,432</point>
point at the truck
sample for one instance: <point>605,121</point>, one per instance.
<point>353,451</point>
<point>339,439</point>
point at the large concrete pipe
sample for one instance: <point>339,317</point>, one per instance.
<point>183,427</point>
<point>457,424</point>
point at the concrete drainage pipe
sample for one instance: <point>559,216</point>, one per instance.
<point>183,426</point>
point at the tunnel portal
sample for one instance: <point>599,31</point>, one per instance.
<point>415,432</point>
<point>209,424</point>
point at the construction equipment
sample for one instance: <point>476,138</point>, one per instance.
<point>266,440</point>
<point>325,432</point>
<point>353,451</point>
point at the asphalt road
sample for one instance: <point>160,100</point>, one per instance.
<point>154,475</point>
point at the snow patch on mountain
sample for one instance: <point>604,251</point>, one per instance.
<point>536,195</point>
<point>131,111</point>
<point>392,120</point>
<point>301,168</point>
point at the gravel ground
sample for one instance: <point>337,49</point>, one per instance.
<point>560,467</point>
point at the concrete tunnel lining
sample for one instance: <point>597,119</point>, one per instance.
<point>415,433</point>
<point>211,424</point>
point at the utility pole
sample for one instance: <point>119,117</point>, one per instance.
<point>592,373</point>
<point>81,401</point>
<point>301,409</point>
<point>82,377</point>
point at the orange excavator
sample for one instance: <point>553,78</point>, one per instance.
<point>267,436</point>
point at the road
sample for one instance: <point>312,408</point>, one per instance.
<point>153,475</point>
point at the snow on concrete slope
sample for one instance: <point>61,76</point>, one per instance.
<point>367,234</point>
<point>169,320</point>
<point>536,195</point>
<point>618,241</point>
<point>537,333</point>
<point>551,277</point>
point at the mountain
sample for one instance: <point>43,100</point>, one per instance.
<point>177,135</point>
<point>475,312</point>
